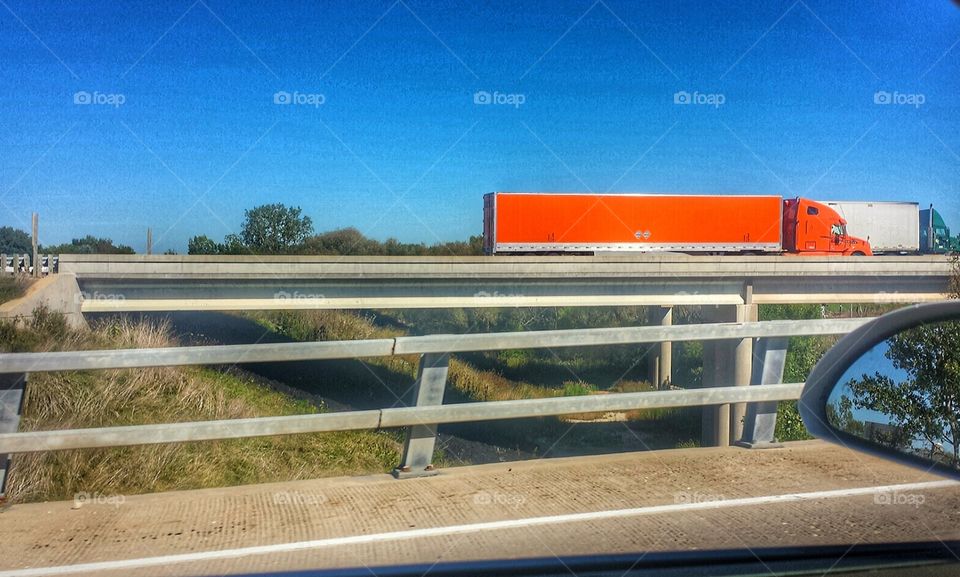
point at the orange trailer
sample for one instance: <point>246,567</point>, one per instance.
<point>541,223</point>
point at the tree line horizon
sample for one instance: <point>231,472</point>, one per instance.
<point>267,229</point>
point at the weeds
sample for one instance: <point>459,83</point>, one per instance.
<point>12,287</point>
<point>69,399</point>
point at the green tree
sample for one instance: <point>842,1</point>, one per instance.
<point>802,354</point>
<point>89,245</point>
<point>348,241</point>
<point>202,244</point>
<point>275,228</point>
<point>14,241</point>
<point>233,245</point>
<point>840,415</point>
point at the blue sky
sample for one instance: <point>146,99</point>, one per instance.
<point>187,133</point>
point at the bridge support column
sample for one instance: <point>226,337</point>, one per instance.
<point>743,366</point>
<point>660,358</point>
<point>761,421</point>
<point>13,387</point>
<point>718,369</point>
<point>726,363</point>
<point>418,448</point>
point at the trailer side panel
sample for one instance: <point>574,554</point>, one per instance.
<point>890,227</point>
<point>538,222</point>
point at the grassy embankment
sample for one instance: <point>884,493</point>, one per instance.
<point>12,287</point>
<point>508,374</point>
<point>64,400</point>
<point>498,375</point>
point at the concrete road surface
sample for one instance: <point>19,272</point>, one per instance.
<point>804,494</point>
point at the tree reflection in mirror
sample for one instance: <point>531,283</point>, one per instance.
<point>904,393</point>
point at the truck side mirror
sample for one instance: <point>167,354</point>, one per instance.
<point>892,388</point>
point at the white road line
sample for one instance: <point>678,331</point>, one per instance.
<point>470,528</point>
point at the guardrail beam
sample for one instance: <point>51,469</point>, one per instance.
<point>421,439</point>
<point>126,436</point>
<point>229,354</point>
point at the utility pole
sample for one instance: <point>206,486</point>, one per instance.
<point>149,240</point>
<point>36,246</point>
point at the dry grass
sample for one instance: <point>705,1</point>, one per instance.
<point>317,325</point>
<point>489,386</point>
<point>14,286</point>
<point>124,397</point>
<point>467,382</point>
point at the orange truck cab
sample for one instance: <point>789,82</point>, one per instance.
<point>812,228</point>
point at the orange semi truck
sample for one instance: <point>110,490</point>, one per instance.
<point>553,223</point>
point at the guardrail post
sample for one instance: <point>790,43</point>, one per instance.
<point>12,389</point>
<point>761,421</point>
<point>35,245</point>
<point>417,458</point>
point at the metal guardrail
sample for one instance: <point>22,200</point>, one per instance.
<point>421,420</point>
<point>36,441</point>
<point>328,350</point>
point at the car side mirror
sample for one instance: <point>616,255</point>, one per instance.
<point>892,388</point>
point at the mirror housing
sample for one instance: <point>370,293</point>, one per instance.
<point>857,353</point>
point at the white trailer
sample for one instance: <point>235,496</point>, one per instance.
<point>890,227</point>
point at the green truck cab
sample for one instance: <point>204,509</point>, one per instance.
<point>935,235</point>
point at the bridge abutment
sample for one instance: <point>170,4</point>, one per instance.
<point>59,292</point>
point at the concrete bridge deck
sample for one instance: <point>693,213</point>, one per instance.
<point>163,283</point>
<point>804,494</point>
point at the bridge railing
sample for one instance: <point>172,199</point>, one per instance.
<point>427,411</point>
<point>23,264</point>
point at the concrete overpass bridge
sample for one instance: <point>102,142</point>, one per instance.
<point>159,283</point>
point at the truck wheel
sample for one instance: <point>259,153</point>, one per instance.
<point>858,253</point>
